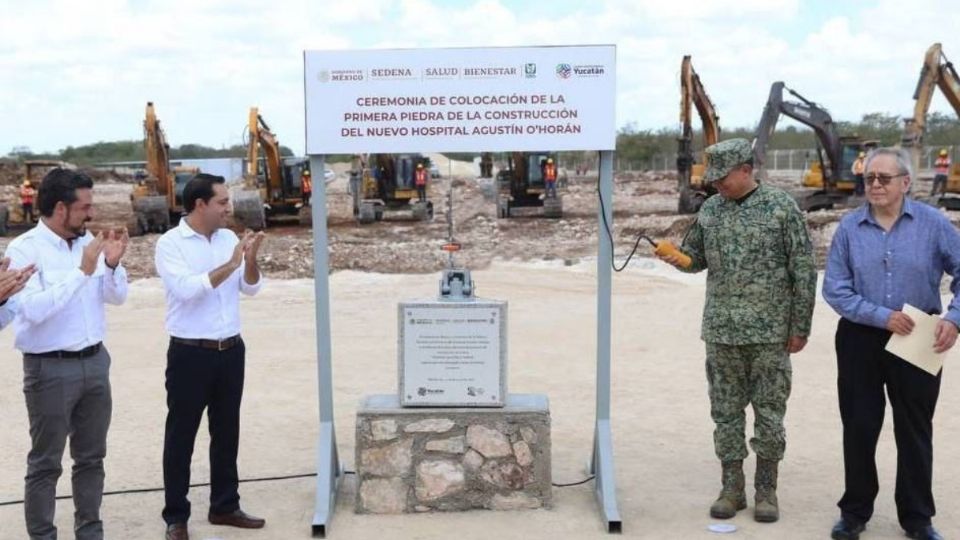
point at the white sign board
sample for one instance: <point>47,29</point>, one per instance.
<point>461,100</point>
<point>452,354</point>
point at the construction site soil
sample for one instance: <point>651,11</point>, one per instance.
<point>643,203</point>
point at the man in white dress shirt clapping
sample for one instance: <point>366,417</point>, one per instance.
<point>204,268</point>
<point>60,327</point>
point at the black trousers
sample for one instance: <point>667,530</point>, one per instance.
<point>199,379</point>
<point>422,193</point>
<point>864,368</point>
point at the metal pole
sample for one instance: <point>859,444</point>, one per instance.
<point>601,464</point>
<point>329,470</point>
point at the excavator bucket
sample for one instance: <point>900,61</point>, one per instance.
<point>248,209</point>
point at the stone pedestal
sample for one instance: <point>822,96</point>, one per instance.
<point>448,459</point>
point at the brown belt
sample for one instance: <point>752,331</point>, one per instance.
<point>215,344</point>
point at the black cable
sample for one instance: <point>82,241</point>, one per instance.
<point>134,491</point>
<point>577,483</point>
<point>202,484</point>
<point>640,238</point>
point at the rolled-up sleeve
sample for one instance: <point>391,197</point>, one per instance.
<point>839,290</point>
<point>250,289</point>
<point>176,274</point>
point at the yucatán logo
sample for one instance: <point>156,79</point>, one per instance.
<point>424,391</point>
<point>530,70</point>
<point>564,71</point>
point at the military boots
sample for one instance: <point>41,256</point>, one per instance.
<point>765,482</point>
<point>732,496</point>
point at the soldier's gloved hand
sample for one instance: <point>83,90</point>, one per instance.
<point>796,344</point>
<point>900,323</point>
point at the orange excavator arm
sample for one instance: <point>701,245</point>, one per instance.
<point>693,95</point>
<point>157,150</point>
<point>693,92</point>
<point>261,138</point>
<point>937,72</point>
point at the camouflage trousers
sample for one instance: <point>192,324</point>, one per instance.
<point>741,375</point>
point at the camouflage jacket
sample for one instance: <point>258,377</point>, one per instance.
<point>761,277</point>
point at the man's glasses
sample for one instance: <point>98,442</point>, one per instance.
<point>884,179</point>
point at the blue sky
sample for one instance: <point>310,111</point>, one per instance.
<point>78,72</point>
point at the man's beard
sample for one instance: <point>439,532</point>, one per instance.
<point>79,230</point>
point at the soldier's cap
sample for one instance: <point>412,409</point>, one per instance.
<point>725,156</point>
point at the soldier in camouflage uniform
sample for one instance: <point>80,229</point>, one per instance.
<point>761,286</point>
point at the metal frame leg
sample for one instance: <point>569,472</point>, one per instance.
<point>329,469</point>
<point>601,463</point>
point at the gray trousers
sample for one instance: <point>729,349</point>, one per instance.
<point>66,398</point>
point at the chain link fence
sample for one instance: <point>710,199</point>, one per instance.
<point>777,160</point>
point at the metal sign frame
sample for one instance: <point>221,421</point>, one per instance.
<point>330,471</point>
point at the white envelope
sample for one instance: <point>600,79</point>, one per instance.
<point>917,348</point>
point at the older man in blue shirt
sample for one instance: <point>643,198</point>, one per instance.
<point>890,252</point>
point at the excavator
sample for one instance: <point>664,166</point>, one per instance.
<point>157,200</point>
<point>937,72</point>
<point>272,188</point>
<point>831,174</point>
<point>387,185</point>
<point>690,174</point>
<point>521,185</point>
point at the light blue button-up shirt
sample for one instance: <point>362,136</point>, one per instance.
<point>871,272</point>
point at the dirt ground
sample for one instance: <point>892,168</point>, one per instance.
<point>666,472</point>
<point>644,203</point>
<point>665,468</point>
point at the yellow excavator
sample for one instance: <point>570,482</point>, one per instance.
<point>521,185</point>
<point>937,72</point>
<point>690,173</point>
<point>387,185</point>
<point>831,175</point>
<point>273,190</point>
<point>157,199</point>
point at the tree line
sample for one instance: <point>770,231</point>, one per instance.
<point>633,144</point>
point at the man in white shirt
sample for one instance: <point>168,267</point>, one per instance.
<point>11,282</point>
<point>204,268</point>
<point>60,327</point>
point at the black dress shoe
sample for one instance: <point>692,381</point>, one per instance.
<point>847,530</point>
<point>926,533</point>
<point>237,518</point>
<point>177,531</point>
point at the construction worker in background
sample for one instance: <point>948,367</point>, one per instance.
<point>941,168</point>
<point>421,181</point>
<point>857,171</point>
<point>27,194</point>
<point>306,186</point>
<point>550,178</point>
<point>761,285</point>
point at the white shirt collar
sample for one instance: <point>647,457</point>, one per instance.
<point>47,234</point>
<point>186,231</point>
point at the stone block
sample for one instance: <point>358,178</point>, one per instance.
<point>413,460</point>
